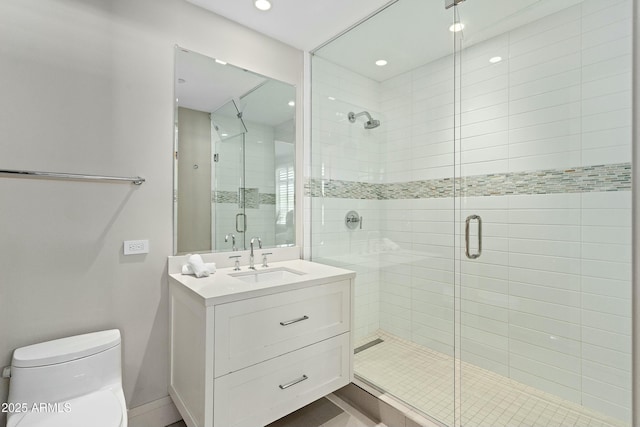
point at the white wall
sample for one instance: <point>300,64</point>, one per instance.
<point>346,151</point>
<point>343,150</point>
<point>87,87</point>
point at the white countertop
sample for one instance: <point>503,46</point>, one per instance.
<point>221,287</point>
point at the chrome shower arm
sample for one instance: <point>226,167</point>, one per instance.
<point>352,116</point>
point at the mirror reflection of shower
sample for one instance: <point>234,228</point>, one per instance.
<point>369,124</point>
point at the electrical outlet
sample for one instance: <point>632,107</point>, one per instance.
<point>133,247</point>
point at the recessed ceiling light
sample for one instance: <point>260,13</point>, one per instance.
<point>495,59</point>
<point>221,62</point>
<point>224,134</point>
<point>262,4</point>
<point>381,62</point>
<point>458,26</point>
<point>291,103</point>
<point>331,98</point>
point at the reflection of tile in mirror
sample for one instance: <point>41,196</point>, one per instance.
<point>225,197</point>
<point>251,199</point>
<point>267,198</point>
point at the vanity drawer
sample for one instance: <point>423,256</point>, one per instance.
<point>262,393</point>
<point>257,329</point>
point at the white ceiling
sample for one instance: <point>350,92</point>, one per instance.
<point>408,33</point>
<point>303,24</point>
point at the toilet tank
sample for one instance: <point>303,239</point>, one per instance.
<point>62,369</point>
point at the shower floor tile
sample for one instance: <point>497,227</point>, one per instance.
<point>424,379</point>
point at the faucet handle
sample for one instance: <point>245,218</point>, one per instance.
<point>264,258</point>
<point>236,267</point>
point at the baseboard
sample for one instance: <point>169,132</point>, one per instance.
<point>159,413</point>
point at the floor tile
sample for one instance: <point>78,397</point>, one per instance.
<point>424,379</point>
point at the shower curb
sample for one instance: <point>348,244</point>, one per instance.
<point>381,407</point>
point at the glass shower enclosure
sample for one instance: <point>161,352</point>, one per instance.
<point>493,248</point>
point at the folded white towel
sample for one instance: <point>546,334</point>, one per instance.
<point>211,266</point>
<point>197,266</point>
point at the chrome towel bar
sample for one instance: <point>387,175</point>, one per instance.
<point>135,180</point>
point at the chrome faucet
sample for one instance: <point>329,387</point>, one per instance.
<point>233,241</point>
<point>253,239</point>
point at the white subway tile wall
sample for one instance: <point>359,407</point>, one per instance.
<point>548,302</point>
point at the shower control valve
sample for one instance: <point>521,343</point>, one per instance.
<point>352,219</point>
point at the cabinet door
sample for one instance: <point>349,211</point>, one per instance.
<point>257,329</point>
<point>262,393</point>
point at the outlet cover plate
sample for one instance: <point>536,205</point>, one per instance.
<point>135,247</point>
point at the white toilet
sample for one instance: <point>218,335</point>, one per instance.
<point>69,382</point>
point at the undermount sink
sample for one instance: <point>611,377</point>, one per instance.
<point>280,274</point>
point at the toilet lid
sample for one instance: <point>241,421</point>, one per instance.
<point>99,409</point>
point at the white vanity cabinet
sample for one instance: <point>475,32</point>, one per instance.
<point>246,354</point>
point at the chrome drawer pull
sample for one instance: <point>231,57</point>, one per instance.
<point>289,322</point>
<point>294,382</point>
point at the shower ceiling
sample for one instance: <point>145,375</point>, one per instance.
<point>421,29</point>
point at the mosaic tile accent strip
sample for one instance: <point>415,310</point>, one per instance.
<point>225,196</point>
<point>612,177</point>
<point>253,198</point>
<point>343,189</point>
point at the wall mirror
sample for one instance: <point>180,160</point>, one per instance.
<point>234,157</point>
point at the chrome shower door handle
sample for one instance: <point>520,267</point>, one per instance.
<point>466,236</point>
<point>244,223</point>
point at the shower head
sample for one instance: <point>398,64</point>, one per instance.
<point>369,124</point>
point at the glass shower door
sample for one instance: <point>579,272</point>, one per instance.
<point>229,218</point>
<point>543,207</point>
<point>397,176</point>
